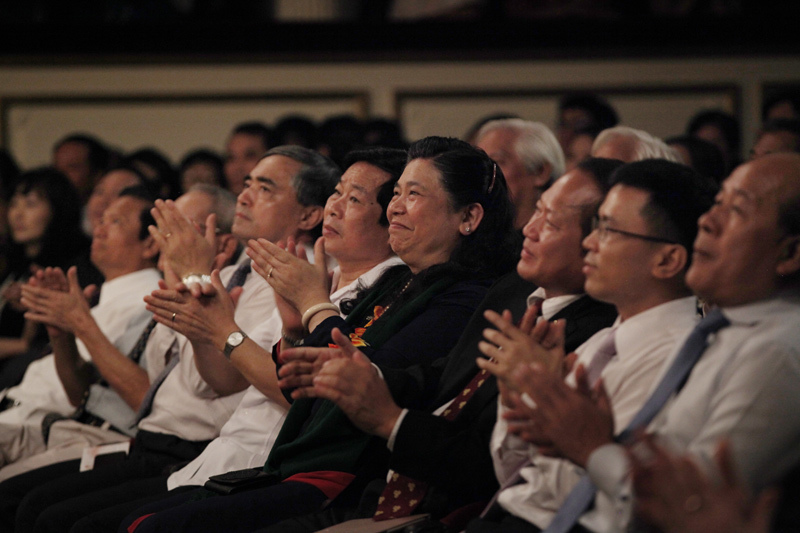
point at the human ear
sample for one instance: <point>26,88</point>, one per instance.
<point>471,218</point>
<point>789,260</point>
<point>670,261</point>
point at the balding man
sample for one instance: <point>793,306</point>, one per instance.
<point>530,157</point>
<point>629,144</point>
<point>744,386</point>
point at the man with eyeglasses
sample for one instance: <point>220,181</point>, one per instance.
<point>637,256</point>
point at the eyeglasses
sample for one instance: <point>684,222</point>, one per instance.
<point>602,229</point>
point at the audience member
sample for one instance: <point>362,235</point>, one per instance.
<point>742,387</point>
<point>580,147</point>
<point>779,135</point>
<point>581,112</point>
<point>703,156</point>
<point>640,269</point>
<point>159,174</point>
<point>44,220</point>
<point>201,166</point>
<point>720,128</point>
<point>469,135</point>
<point>246,146</point>
<point>107,189</point>
<point>126,257</point>
<point>338,135</point>
<point>431,448</point>
<point>447,220</point>
<point>530,157</point>
<point>296,130</point>
<point>282,199</point>
<point>82,158</point>
<point>783,105</point>
<point>9,172</point>
<point>384,132</point>
<point>629,144</point>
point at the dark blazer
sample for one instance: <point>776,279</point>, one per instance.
<point>453,456</point>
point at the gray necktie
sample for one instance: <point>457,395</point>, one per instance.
<point>583,493</point>
<point>237,280</point>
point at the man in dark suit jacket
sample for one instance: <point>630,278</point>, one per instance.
<point>451,455</point>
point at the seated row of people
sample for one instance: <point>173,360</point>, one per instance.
<point>414,385</point>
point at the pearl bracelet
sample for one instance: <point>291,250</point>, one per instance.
<point>314,309</point>
<point>196,278</point>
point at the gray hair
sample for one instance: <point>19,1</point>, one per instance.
<point>535,146</point>
<point>647,146</point>
<point>316,179</point>
<point>223,204</point>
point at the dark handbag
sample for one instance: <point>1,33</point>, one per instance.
<point>240,480</point>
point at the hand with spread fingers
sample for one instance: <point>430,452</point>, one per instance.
<point>576,421</point>
<point>673,494</point>
<point>301,366</point>
<point>295,280</point>
<point>185,250</point>
<point>208,319</point>
<point>58,301</point>
<point>353,384</point>
<point>509,346</point>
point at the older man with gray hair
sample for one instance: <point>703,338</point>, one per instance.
<point>628,144</point>
<point>530,157</point>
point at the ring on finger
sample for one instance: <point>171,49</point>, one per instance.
<point>173,316</point>
<point>168,235</point>
<point>269,274</point>
<point>693,503</point>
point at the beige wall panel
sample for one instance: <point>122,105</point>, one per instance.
<point>173,126</point>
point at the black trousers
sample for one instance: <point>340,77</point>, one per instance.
<point>53,498</point>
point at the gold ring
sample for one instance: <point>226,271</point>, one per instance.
<point>693,503</point>
<point>269,274</point>
<point>173,316</point>
<point>167,235</point>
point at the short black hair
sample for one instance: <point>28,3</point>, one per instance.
<point>296,129</point>
<point>208,157</point>
<point>793,97</point>
<point>144,193</point>
<point>725,122</point>
<point>99,154</point>
<point>678,195</point>
<point>258,129</point>
<point>602,112</point>
<point>787,125</point>
<point>706,156</point>
<point>390,160</point>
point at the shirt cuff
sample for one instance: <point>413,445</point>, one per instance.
<point>395,430</point>
<point>608,469</point>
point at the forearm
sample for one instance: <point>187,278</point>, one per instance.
<point>258,368</point>
<point>216,370</point>
<point>126,377</point>
<point>72,370</point>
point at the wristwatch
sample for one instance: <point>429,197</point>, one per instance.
<point>234,339</point>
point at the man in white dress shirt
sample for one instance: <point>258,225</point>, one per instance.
<point>637,257</point>
<point>746,262</point>
<point>126,256</point>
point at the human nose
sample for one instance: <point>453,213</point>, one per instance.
<point>334,206</point>
<point>590,241</point>
<point>245,197</point>
<point>531,229</point>
<point>396,205</point>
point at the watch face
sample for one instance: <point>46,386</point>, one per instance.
<point>235,338</point>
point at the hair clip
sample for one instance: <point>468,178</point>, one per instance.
<point>494,175</point>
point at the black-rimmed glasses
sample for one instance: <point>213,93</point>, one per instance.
<point>602,229</point>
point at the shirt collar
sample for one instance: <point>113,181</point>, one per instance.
<point>551,306</point>
<point>633,335</point>
<point>121,286</point>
